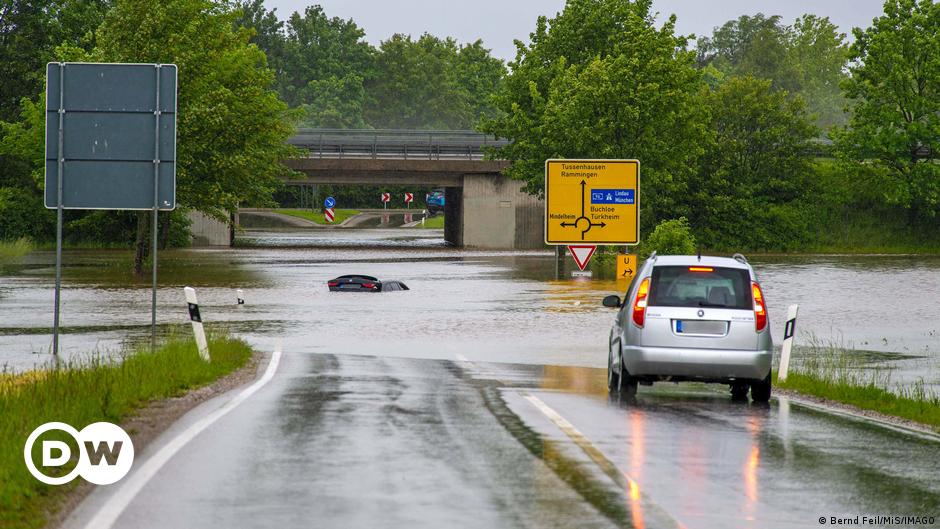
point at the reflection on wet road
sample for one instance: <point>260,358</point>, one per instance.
<point>358,441</point>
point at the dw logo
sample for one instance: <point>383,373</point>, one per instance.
<point>105,453</point>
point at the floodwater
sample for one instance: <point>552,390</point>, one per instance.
<point>486,305</point>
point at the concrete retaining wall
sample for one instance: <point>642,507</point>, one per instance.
<point>207,231</point>
<point>498,214</point>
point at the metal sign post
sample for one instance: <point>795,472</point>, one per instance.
<point>60,164</point>
<point>103,155</point>
<point>156,212</point>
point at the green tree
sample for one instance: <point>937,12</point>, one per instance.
<point>335,103</point>
<point>268,30</point>
<point>895,88</point>
<point>738,45</point>
<point>323,53</point>
<point>231,126</point>
<point>480,74</point>
<point>819,54</point>
<point>806,59</point>
<point>756,170</point>
<point>29,32</point>
<point>416,85</point>
<point>600,80</point>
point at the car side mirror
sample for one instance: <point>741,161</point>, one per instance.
<point>612,301</point>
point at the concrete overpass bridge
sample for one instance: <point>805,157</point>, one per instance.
<point>483,208</point>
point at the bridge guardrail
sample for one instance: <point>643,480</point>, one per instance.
<point>395,144</point>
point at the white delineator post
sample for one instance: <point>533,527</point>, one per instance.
<point>788,332</point>
<point>240,296</point>
<point>196,320</point>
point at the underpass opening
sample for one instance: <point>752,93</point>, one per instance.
<point>482,207</point>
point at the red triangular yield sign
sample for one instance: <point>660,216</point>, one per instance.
<point>582,255</point>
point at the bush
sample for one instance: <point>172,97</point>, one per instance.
<point>22,214</point>
<point>671,237</point>
<point>120,228</point>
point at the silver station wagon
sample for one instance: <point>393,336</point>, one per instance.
<point>689,318</point>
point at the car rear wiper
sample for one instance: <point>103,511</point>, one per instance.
<point>714,305</point>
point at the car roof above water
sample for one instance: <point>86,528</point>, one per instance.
<point>693,260</point>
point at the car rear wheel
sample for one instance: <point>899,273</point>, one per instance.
<point>760,390</point>
<point>625,383</point>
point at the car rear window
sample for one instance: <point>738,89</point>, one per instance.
<point>700,286</point>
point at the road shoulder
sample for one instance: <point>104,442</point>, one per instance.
<point>150,421</point>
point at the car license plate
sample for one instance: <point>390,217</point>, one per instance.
<point>712,327</point>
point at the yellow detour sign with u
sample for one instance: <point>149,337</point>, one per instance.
<point>626,266</point>
<point>592,201</point>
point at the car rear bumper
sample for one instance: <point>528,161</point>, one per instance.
<point>705,364</point>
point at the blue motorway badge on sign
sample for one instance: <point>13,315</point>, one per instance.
<point>329,202</point>
<point>612,196</point>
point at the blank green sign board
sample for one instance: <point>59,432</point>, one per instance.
<point>110,117</point>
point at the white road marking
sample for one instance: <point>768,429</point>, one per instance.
<point>138,478</point>
<point>621,478</point>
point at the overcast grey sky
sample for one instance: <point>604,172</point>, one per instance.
<point>498,22</point>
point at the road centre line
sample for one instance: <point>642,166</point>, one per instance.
<point>621,478</point>
<point>116,504</point>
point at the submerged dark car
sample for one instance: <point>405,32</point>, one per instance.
<point>363,283</point>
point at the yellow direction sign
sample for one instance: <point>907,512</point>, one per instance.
<point>626,266</point>
<point>592,201</point>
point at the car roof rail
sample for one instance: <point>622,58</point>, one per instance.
<point>740,258</point>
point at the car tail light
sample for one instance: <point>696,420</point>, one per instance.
<point>760,309</point>
<point>701,269</point>
<point>368,285</point>
<point>639,305</point>
<point>333,284</point>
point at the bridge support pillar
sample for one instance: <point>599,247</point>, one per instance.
<point>208,231</point>
<point>453,216</point>
<point>499,214</point>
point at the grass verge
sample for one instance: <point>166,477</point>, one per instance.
<point>88,391</point>
<point>837,375</point>
<point>435,222</point>
<point>13,250</point>
<point>317,216</point>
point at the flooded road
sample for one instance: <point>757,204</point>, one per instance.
<point>488,306</point>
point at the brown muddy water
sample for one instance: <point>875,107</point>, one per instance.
<point>486,305</point>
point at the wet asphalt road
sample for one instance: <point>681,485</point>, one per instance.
<point>363,441</point>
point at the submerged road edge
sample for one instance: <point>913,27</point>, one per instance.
<point>847,411</point>
<point>114,506</point>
